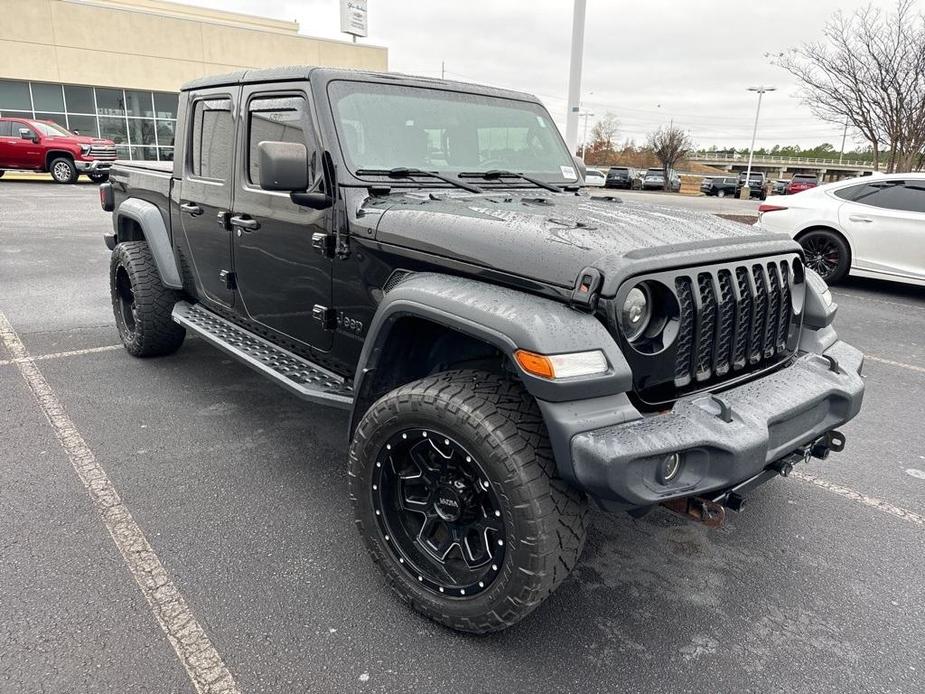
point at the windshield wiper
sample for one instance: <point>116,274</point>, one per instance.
<point>497,174</point>
<point>405,172</point>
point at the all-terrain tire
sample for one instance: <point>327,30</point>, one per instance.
<point>544,518</point>
<point>141,303</point>
<point>63,170</point>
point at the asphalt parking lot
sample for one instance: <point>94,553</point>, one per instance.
<point>241,491</point>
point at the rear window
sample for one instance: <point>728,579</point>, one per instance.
<point>212,139</point>
<point>6,128</point>
<point>618,169</point>
<point>803,178</point>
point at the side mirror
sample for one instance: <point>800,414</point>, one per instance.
<point>27,134</point>
<point>283,166</point>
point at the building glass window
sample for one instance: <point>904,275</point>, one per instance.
<point>83,125</point>
<point>114,129</point>
<point>79,99</point>
<point>15,96</point>
<point>141,131</point>
<point>144,153</point>
<point>165,105</point>
<point>110,102</point>
<point>15,114</point>
<point>139,104</point>
<point>47,97</point>
<point>166,130</point>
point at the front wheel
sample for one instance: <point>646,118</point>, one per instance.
<point>721,193</point>
<point>454,492</point>
<point>141,304</point>
<point>827,254</point>
<point>63,170</point>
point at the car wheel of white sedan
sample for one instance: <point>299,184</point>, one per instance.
<point>827,254</point>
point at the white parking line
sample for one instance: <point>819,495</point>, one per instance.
<point>189,640</point>
<point>59,355</point>
<point>873,502</point>
<point>881,360</point>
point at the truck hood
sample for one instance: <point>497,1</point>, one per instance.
<point>80,139</point>
<point>553,237</point>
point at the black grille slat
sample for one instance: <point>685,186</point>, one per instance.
<point>770,341</point>
<point>685,339</point>
<point>759,315</point>
<point>706,325</point>
<point>743,319</point>
<point>725,325</point>
<point>786,308</point>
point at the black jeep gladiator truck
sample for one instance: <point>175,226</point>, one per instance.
<point>511,350</point>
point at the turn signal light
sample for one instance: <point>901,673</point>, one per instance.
<point>557,366</point>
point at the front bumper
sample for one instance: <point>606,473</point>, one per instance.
<point>768,418</point>
<point>93,166</point>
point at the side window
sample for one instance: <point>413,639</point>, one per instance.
<point>277,119</point>
<point>212,143</point>
<point>908,196</point>
<point>6,128</point>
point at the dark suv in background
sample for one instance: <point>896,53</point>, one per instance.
<point>758,184</point>
<point>622,177</point>
<point>720,186</point>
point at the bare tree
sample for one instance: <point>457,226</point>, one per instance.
<point>670,145</point>
<point>602,147</point>
<point>869,72</point>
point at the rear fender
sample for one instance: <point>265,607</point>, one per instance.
<point>148,219</point>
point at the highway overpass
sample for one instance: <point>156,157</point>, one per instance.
<point>784,167</point>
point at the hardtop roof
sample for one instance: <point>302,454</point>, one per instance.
<point>304,72</point>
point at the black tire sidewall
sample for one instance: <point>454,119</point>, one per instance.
<point>844,254</point>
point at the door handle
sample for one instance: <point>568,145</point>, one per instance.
<point>191,209</point>
<point>245,223</point>
<point>858,218</point>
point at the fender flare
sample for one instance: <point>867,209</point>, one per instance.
<point>505,318</point>
<point>149,218</point>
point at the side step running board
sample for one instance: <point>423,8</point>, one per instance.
<point>297,375</point>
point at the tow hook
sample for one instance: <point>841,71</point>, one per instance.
<point>709,513</point>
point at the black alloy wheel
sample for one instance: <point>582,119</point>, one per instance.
<point>438,513</point>
<point>127,311</point>
<point>826,254</point>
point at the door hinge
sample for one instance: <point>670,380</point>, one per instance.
<point>326,316</point>
<point>229,278</point>
<point>324,244</point>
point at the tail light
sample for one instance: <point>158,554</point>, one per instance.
<point>106,197</point>
<point>769,208</point>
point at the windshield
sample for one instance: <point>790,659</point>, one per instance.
<point>383,126</point>
<point>51,129</point>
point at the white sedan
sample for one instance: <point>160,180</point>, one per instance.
<point>595,178</point>
<point>871,227</point>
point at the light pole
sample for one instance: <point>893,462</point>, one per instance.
<point>751,150</point>
<point>584,138</point>
<point>574,76</point>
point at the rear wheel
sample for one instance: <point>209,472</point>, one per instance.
<point>141,304</point>
<point>454,492</point>
<point>721,193</point>
<point>63,170</point>
<point>827,254</point>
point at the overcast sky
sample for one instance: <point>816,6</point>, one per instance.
<point>647,61</point>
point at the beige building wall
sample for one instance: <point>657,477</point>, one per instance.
<point>152,44</point>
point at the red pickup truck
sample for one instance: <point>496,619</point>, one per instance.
<point>42,145</point>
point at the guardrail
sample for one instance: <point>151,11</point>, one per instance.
<point>775,159</point>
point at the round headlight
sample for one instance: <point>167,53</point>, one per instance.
<point>634,317</point>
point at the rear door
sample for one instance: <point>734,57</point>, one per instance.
<point>23,152</point>
<point>885,224</point>
<point>281,277</point>
<point>206,191</point>
<point>6,144</point>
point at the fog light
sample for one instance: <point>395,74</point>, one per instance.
<point>669,468</point>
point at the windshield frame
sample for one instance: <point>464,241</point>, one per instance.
<point>458,90</point>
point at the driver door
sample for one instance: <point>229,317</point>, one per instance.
<point>281,277</point>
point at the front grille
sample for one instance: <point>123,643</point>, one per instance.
<point>727,326</point>
<point>717,324</point>
<point>98,152</point>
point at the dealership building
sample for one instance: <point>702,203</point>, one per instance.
<point>112,68</point>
